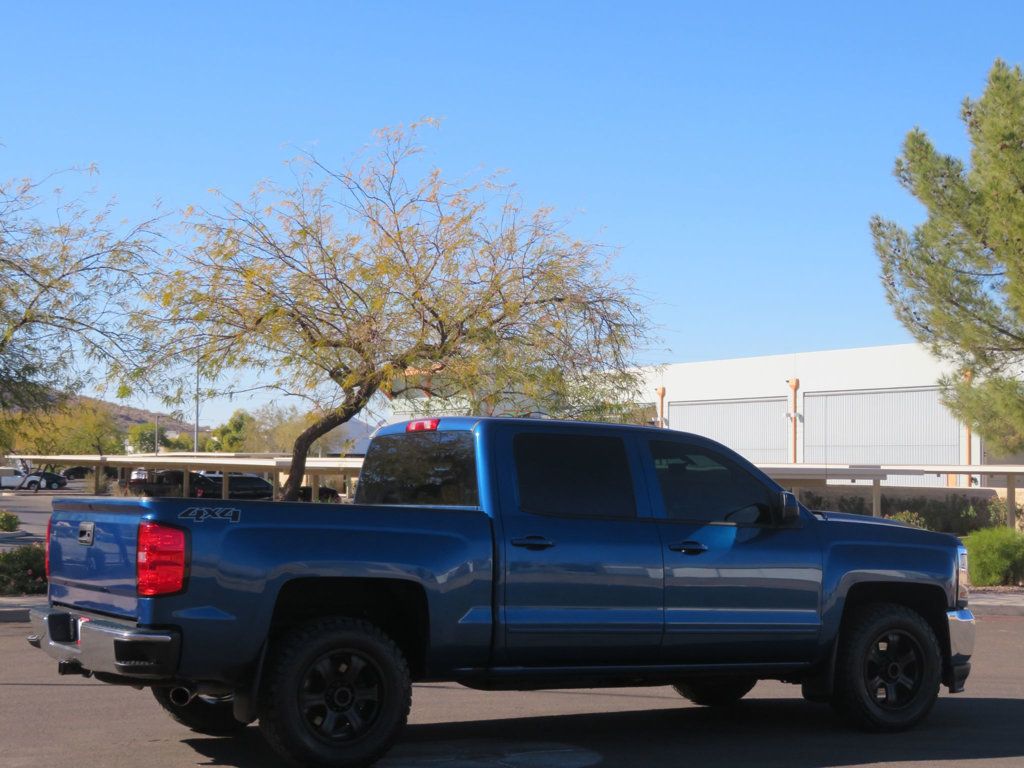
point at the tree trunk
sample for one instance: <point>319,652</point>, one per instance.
<point>300,450</point>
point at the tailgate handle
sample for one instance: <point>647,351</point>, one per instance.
<point>689,547</point>
<point>86,532</point>
<point>533,542</point>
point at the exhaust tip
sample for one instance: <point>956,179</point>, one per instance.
<point>181,696</point>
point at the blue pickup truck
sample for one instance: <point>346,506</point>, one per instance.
<point>504,554</point>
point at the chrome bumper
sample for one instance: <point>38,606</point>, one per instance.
<point>961,646</point>
<point>86,644</point>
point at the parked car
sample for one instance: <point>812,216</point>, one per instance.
<point>43,480</point>
<point>76,473</point>
<point>11,478</point>
<point>168,482</point>
<point>502,554</point>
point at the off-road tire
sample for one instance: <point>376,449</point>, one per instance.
<point>716,692</point>
<point>888,669</point>
<point>212,717</point>
<point>312,682</point>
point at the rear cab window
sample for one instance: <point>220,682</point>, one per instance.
<point>432,468</point>
<point>573,475</point>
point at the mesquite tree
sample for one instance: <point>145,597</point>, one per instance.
<point>386,279</point>
<point>69,276</point>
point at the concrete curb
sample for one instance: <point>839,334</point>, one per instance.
<point>997,610</point>
<point>15,609</point>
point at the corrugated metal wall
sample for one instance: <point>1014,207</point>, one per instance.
<point>892,426</point>
<point>756,428</point>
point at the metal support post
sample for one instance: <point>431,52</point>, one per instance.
<point>1011,500</point>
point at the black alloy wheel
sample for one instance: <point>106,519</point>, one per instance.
<point>889,668</point>
<point>341,695</point>
<point>336,692</point>
<point>893,669</point>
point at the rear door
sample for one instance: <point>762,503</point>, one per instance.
<point>582,559</point>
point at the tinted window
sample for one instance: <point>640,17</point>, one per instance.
<point>420,468</point>
<point>249,483</point>
<point>700,484</point>
<point>573,475</point>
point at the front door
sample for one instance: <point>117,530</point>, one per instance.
<point>583,574</point>
<point>740,587</point>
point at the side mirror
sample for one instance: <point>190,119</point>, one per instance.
<point>789,508</point>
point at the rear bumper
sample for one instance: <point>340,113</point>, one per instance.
<point>89,644</point>
<point>961,646</point>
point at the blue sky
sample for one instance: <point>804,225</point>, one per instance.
<point>733,152</point>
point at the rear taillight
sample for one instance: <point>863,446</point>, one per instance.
<point>422,425</point>
<point>49,527</point>
<point>161,559</point>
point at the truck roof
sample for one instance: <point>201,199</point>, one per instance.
<point>468,423</point>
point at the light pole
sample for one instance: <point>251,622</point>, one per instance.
<point>195,425</point>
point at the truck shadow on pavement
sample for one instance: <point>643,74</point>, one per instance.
<point>761,732</point>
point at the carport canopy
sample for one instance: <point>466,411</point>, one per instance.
<point>225,463</point>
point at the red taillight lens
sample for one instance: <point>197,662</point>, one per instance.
<point>49,527</point>
<point>422,425</point>
<point>160,560</point>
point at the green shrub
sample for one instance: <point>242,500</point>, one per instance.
<point>915,519</point>
<point>8,521</point>
<point>23,571</point>
<point>995,556</point>
<point>955,513</point>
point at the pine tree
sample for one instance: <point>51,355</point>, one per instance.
<point>957,281</point>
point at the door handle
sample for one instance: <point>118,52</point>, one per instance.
<point>688,547</point>
<point>533,542</point>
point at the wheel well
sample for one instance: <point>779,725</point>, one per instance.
<point>398,607</point>
<point>928,600</point>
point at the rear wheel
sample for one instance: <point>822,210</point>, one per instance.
<point>337,694</point>
<point>716,691</point>
<point>211,715</point>
<point>889,668</point>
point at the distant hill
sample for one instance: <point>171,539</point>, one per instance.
<point>126,416</point>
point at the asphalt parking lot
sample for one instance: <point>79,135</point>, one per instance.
<point>47,720</point>
<point>34,508</point>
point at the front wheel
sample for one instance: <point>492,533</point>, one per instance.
<point>337,694</point>
<point>715,692</point>
<point>211,715</point>
<point>889,668</point>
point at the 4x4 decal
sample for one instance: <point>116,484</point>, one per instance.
<point>199,514</point>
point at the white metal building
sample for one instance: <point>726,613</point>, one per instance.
<point>872,405</point>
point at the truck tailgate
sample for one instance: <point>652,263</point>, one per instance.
<point>92,555</point>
